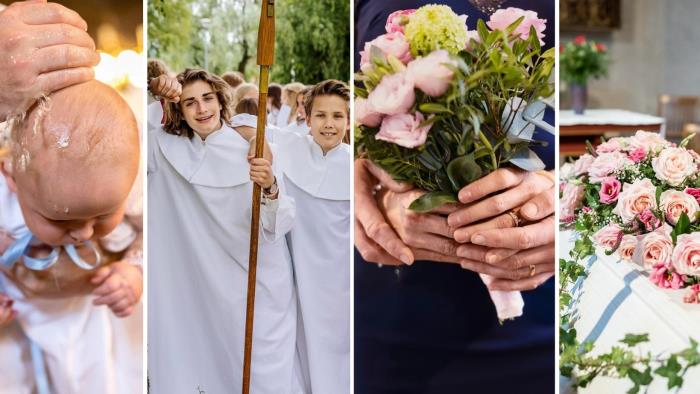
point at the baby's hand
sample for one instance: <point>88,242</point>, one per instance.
<point>119,286</point>
<point>7,314</point>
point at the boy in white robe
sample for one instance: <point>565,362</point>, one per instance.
<point>317,174</point>
<point>200,181</point>
<point>73,163</point>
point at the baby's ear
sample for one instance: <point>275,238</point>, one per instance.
<point>7,172</point>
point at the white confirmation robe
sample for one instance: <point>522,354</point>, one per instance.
<point>320,246</point>
<point>199,210</point>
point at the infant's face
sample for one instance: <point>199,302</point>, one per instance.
<point>80,164</point>
<point>68,208</point>
<point>201,108</point>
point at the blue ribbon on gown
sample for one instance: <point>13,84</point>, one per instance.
<point>12,255</point>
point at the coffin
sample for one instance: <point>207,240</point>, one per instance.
<point>617,298</point>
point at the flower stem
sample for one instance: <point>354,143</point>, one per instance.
<point>486,142</point>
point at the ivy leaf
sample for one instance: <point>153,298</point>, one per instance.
<point>635,339</point>
<point>463,171</point>
<point>432,200</point>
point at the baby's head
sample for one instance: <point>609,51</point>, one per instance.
<point>74,159</point>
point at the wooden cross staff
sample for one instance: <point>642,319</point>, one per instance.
<point>266,54</point>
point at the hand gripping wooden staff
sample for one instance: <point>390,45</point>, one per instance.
<point>266,54</point>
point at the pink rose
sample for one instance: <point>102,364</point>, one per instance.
<point>609,190</point>
<point>663,276</point>
<point>638,155</point>
<point>650,221</point>
<point>586,210</point>
<point>674,165</point>
<point>404,130</point>
<point>611,145</point>
<point>693,192</point>
<point>365,114</point>
<point>397,20</point>
<point>582,164</point>
<point>501,19</point>
<point>674,202</point>
<point>394,95</point>
<point>654,248</point>
<point>608,236</point>
<point>650,142</point>
<point>634,199</point>
<point>394,44</point>
<point>627,247</point>
<point>571,199</point>
<point>606,164</point>
<point>429,73</point>
<point>693,296</point>
<point>686,254</point>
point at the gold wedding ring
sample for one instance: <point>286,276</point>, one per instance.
<point>516,219</point>
<point>532,270</point>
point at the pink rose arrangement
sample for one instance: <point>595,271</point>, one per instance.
<point>639,197</point>
<point>420,112</point>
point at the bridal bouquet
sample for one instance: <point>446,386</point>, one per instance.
<point>640,198</point>
<point>441,106</point>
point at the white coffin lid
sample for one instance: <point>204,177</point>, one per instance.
<point>617,298</point>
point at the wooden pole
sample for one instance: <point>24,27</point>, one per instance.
<point>266,54</point>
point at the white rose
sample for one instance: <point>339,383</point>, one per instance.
<point>581,165</point>
<point>607,236</point>
<point>673,165</point>
<point>655,247</point>
<point>606,164</point>
<point>634,199</point>
<point>674,202</point>
<point>627,247</point>
<point>650,142</point>
<point>686,254</point>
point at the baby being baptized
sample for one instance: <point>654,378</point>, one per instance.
<point>72,163</point>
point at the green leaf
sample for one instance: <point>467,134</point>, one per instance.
<point>432,200</point>
<point>686,140</point>
<point>482,29</point>
<point>463,171</point>
<point>634,339</point>
<point>434,108</point>
<point>511,28</point>
<point>683,225</point>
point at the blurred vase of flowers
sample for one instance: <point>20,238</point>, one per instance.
<point>580,60</point>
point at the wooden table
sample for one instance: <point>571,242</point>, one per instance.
<point>575,130</point>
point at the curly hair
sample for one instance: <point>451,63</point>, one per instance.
<point>330,87</point>
<point>175,121</point>
<point>156,68</point>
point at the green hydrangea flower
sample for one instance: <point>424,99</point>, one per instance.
<point>434,27</point>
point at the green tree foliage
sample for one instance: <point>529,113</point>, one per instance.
<point>312,40</point>
<point>169,32</point>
